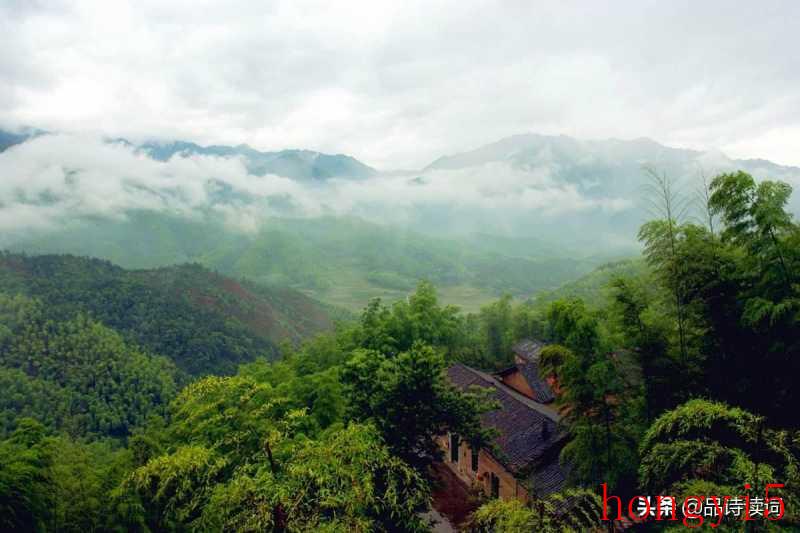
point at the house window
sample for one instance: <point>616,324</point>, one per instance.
<point>475,452</point>
<point>495,485</point>
<point>453,448</point>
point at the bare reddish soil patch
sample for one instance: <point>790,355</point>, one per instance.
<point>452,497</point>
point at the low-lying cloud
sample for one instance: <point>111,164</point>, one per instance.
<point>53,179</point>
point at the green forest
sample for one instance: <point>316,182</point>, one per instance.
<point>179,399</point>
<point>344,261</point>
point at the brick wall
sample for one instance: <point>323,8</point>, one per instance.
<point>509,487</point>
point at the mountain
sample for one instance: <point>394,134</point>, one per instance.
<point>10,138</point>
<point>202,321</point>
<point>606,178</point>
<point>521,215</point>
<point>586,162</point>
<point>296,164</point>
<point>594,288</point>
<point>345,261</point>
<point>306,165</point>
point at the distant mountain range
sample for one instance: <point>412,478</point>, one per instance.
<point>596,165</point>
<point>295,164</point>
<point>607,175</point>
<point>606,167</point>
<point>521,215</point>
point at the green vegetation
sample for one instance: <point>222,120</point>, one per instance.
<point>205,323</point>
<point>407,400</point>
<point>308,442</point>
<point>340,260</point>
<point>81,376</point>
<point>238,455</point>
<point>52,483</point>
<point>676,377</point>
<point>77,375</point>
<point>504,516</point>
<point>595,288</point>
<point>600,410</point>
<point>681,382</point>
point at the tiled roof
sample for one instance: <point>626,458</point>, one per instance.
<point>528,349</point>
<point>530,371</point>
<point>541,389</point>
<point>528,435</point>
<point>549,478</point>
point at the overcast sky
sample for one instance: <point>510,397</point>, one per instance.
<point>397,84</point>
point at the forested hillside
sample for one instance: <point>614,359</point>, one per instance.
<point>342,260</point>
<point>77,376</point>
<point>595,288</point>
<point>203,322</point>
<point>523,215</point>
<point>399,267</point>
<point>676,378</point>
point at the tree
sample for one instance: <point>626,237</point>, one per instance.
<point>497,321</point>
<point>420,318</point>
<point>54,483</point>
<point>600,412</point>
<point>742,296</point>
<point>25,492</point>
<point>719,448</point>
<point>602,419</point>
<point>104,385</point>
<point>572,510</point>
<point>408,399</point>
<point>237,417</point>
<point>219,425</point>
<point>660,240</point>
<point>175,488</point>
<point>551,359</point>
<point>648,341</point>
<point>756,219</point>
<point>571,324</point>
<point>736,299</point>
<point>238,454</point>
<point>703,197</point>
<point>83,478</point>
<point>699,439</point>
<point>346,481</point>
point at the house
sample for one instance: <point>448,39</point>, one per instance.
<point>524,461</point>
<point>524,376</point>
<point>525,379</point>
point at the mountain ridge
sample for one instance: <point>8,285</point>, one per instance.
<point>585,195</point>
<point>203,321</point>
<point>298,164</point>
<point>528,140</point>
<point>292,163</point>
<point>352,167</point>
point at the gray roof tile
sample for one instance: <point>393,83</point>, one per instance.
<point>529,438</point>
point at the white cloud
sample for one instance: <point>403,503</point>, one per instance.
<point>397,84</point>
<point>56,178</point>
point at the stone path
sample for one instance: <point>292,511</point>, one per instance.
<point>440,523</point>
